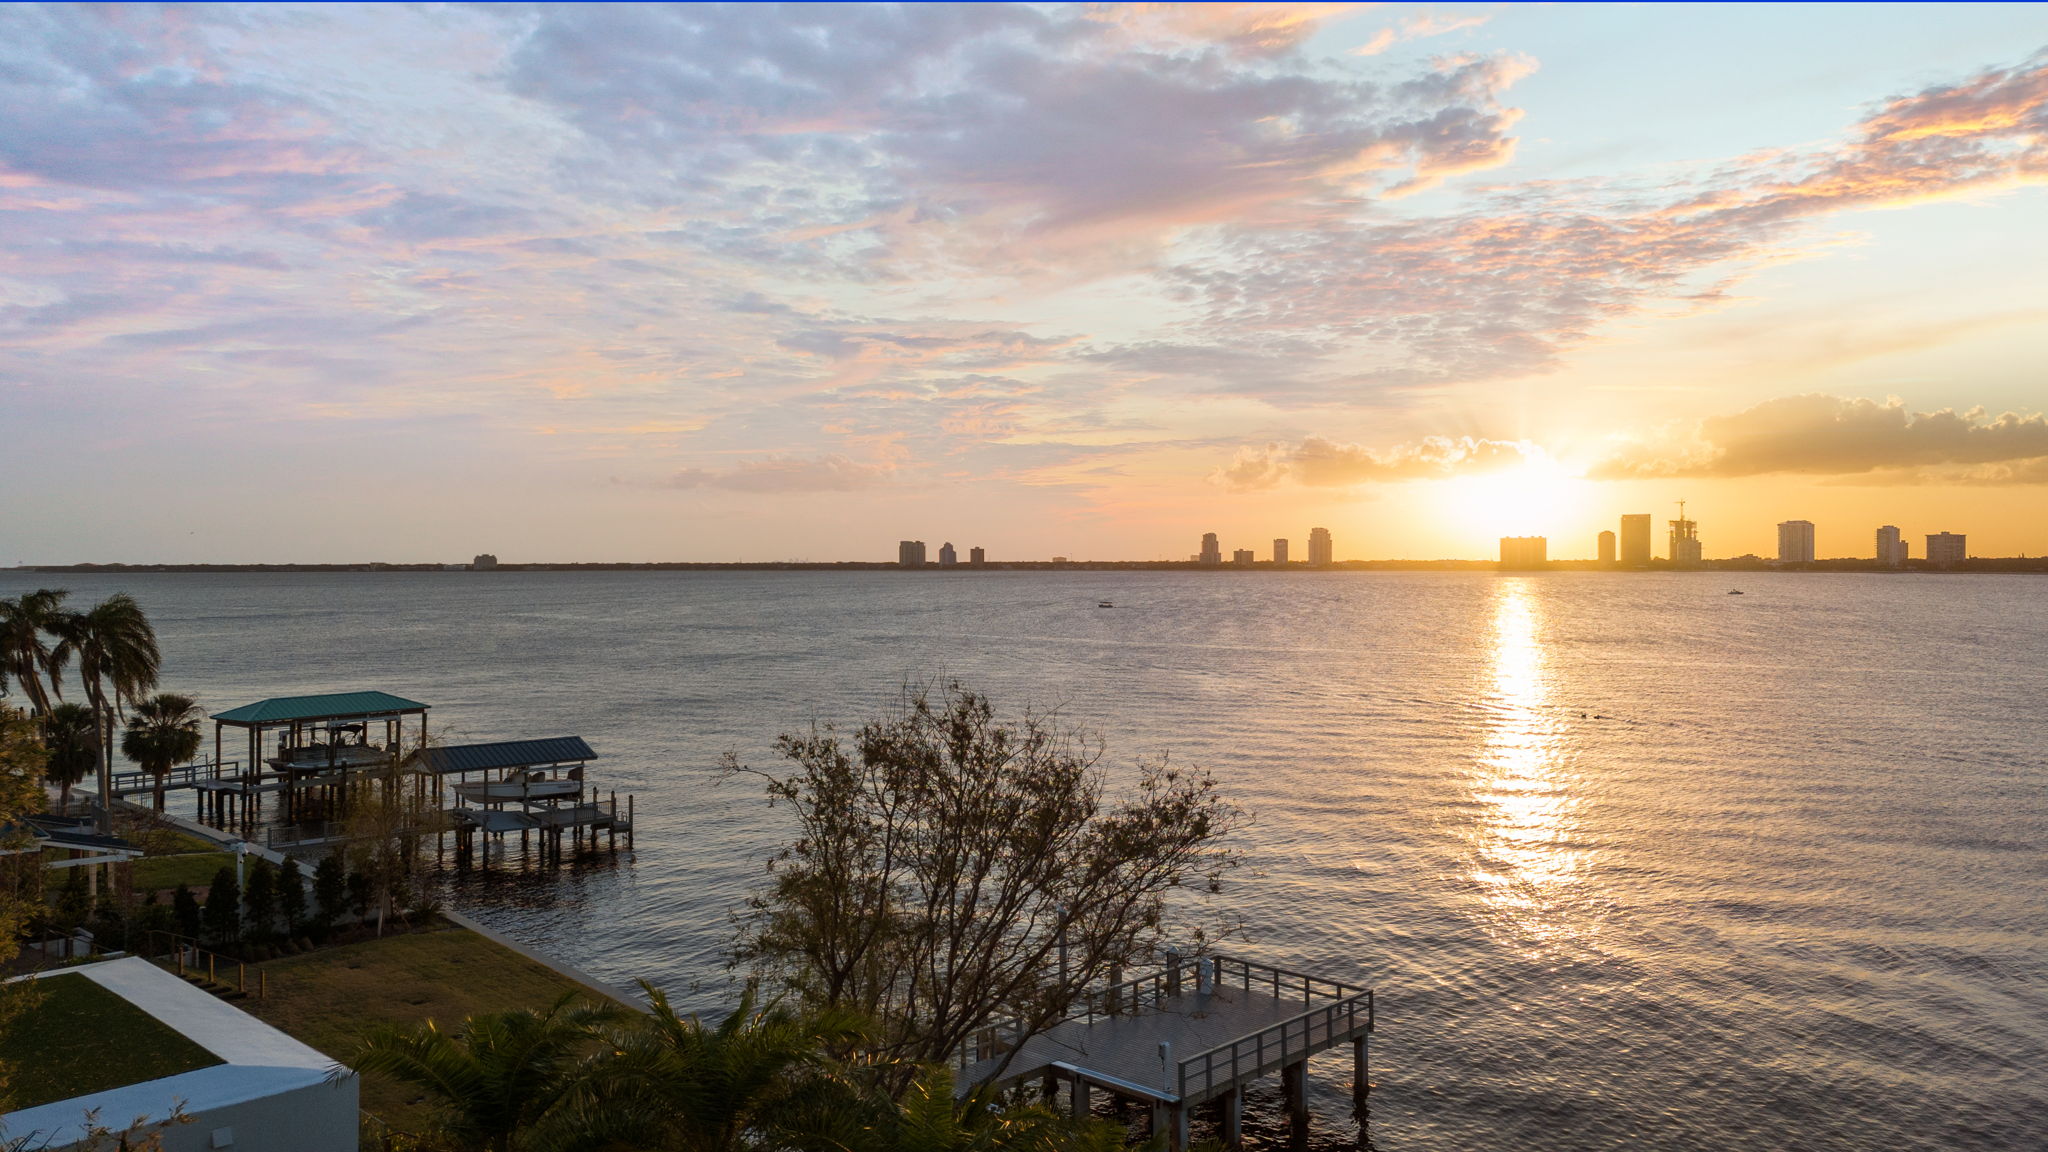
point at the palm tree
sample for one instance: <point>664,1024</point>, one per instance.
<point>163,732</point>
<point>760,1078</point>
<point>71,736</point>
<point>496,1076</point>
<point>930,1119</point>
<point>116,650</point>
<point>24,654</point>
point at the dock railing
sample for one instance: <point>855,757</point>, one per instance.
<point>183,776</point>
<point>1275,1046</point>
<point>1331,1011</point>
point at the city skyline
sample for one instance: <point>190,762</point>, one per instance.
<point>676,282</point>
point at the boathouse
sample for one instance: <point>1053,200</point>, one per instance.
<point>531,787</point>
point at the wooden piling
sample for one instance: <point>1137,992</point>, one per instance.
<point>1294,1085</point>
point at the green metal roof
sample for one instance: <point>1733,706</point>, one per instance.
<point>332,706</point>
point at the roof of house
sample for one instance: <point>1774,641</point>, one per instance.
<point>331,706</point>
<point>503,755</point>
<point>258,1060</point>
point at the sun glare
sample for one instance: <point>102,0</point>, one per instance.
<point>1534,498</point>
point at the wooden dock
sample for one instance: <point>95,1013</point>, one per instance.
<point>1194,1032</point>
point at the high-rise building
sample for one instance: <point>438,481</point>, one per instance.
<point>1891,547</point>
<point>1685,540</point>
<point>1241,557</point>
<point>1279,551</point>
<point>948,557</point>
<point>1322,551</point>
<point>1635,539</point>
<point>1524,551</point>
<point>1607,547</point>
<point>1947,549</point>
<point>910,553</point>
<point>977,557</point>
<point>1795,542</point>
<point>1212,552</point>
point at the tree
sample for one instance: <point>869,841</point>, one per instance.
<point>71,734</point>
<point>950,871</point>
<point>760,1078</point>
<point>185,908</point>
<point>25,655</point>
<point>330,890</point>
<point>386,824</point>
<point>224,907</point>
<point>496,1077</point>
<point>21,867</point>
<point>115,647</point>
<point>291,895</point>
<point>927,1117</point>
<point>259,899</point>
<point>163,733</point>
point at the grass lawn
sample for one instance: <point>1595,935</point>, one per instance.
<point>80,1038</point>
<point>195,869</point>
<point>328,997</point>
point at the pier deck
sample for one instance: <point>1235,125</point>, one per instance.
<point>1196,1032</point>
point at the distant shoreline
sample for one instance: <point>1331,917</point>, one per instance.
<point>2019,564</point>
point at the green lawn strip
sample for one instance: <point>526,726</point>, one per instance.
<point>194,869</point>
<point>327,998</point>
<point>79,1038</point>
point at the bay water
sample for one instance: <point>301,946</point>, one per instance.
<point>1631,862</point>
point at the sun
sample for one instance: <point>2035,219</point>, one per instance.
<point>1537,497</point>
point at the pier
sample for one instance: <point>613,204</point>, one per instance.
<point>1195,1032</point>
<point>532,787</point>
<point>304,757</point>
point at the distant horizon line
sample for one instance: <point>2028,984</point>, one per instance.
<point>2021,563</point>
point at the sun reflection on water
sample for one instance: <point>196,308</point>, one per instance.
<point>1527,865</point>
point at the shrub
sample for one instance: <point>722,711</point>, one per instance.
<point>330,892</point>
<point>291,896</point>
<point>260,899</point>
<point>185,910</point>
<point>223,916</point>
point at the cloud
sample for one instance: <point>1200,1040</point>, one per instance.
<point>1841,436</point>
<point>1504,288</point>
<point>786,474</point>
<point>1419,26</point>
<point>977,134</point>
<point>1319,463</point>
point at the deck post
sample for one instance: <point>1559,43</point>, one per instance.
<point>1294,1085</point>
<point>1177,1128</point>
<point>1361,1087</point>
<point>1233,1117</point>
<point>1077,1101</point>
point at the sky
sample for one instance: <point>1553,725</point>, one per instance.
<point>340,283</point>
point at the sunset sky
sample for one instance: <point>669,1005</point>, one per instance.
<point>701,283</point>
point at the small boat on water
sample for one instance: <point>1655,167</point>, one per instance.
<point>519,786</point>
<point>1735,592</point>
<point>1104,604</point>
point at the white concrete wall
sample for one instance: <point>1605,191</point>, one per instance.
<point>317,1118</point>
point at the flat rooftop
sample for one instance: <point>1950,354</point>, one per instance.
<point>250,1059</point>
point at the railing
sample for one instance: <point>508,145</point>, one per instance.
<point>1339,1017</point>
<point>280,837</point>
<point>1275,1046</point>
<point>183,776</point>
<point>185,957</point>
